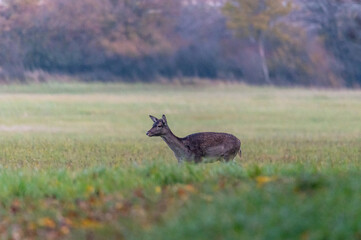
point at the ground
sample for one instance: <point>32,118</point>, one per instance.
<point>75,163</point>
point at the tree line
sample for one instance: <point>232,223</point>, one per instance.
<point>278,42</point>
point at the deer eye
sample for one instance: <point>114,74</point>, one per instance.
<point>159,126</point>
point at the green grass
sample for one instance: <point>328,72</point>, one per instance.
<point>75,163</point>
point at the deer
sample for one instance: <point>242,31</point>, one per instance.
<point>197,147</point>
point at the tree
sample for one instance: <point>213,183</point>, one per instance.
<point>201,28</point>
<point>137,34</point>
<point>338,24</point>
<point>117,36</point>
<point>15,19</point>
<point>256,20</point>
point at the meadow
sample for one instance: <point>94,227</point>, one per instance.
<point>75,163</point>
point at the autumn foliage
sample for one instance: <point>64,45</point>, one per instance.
<point>260,42</point>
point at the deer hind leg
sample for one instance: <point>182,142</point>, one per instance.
<point>229,156</point>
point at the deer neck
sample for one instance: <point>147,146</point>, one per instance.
<point>175,144</point>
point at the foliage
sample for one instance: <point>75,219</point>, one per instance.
<point>87,35</point>
<point>338,25</point>
<point>254,19</point>
<point>266,25</point>
<point>264,42</point>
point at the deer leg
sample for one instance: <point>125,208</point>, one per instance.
<point>230,156</point>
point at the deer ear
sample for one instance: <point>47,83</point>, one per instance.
<point>164,119</point>
<point>154,119</point>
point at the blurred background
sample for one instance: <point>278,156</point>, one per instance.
<point>278,42</point>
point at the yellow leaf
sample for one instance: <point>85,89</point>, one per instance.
<point>190,188</point>
<point>158,189</point>
<point>261,180</point>
<point>89,223</point>
<point>46,222</point>
<point>89,189</point>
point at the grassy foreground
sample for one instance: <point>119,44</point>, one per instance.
<point>75,163</point>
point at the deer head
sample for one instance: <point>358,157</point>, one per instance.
<point>160,127</point>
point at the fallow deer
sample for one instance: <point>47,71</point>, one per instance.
<point>197,147</point>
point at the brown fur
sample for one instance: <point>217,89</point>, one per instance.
<point>197,147</point>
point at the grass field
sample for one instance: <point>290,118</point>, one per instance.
<point>75,163</point>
